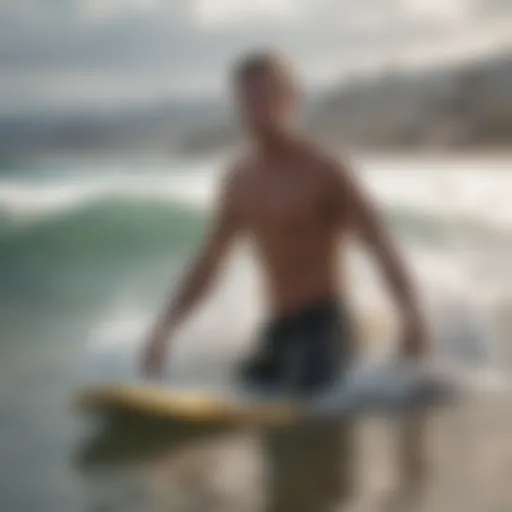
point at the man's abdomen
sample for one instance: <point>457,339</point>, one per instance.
<point>299,280</point>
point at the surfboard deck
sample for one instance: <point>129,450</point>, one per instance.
<point>381,387</point>
<point>186,405</point>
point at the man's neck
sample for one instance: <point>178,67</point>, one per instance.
<point>277,146</point>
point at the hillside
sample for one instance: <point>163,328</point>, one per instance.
<point>468,105</point>
<point>461,106</point>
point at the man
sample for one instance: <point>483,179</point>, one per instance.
<point>297,203</point>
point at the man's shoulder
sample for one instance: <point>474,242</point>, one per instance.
<point>237,172</point>
<point>240,165</point>
<point>326,162</point>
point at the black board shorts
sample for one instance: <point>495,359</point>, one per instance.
<point>302,353</point>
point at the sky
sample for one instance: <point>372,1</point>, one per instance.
<point>97,54</point>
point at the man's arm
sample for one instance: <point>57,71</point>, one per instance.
<point>197,281</point>
<point>371,228</point>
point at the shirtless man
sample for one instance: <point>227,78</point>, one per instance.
<point>296,202</point>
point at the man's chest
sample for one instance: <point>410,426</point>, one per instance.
<point>283,200</point>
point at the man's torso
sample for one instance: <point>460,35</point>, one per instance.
<point>295,224</point>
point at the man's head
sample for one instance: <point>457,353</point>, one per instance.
<point>267,92</point>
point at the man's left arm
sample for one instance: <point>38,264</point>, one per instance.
<point>371,228</point>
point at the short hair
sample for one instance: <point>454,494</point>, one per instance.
<point>259,63</point>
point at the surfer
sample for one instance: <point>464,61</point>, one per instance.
<point>297,203</point>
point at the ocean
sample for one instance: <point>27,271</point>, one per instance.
<point>90,249</point>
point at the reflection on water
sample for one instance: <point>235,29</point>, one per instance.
<point>135,461</point>
<point>132,463</point>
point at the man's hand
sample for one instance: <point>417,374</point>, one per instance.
<point>155,352</point>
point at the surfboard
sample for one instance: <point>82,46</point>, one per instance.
<point>186,405</point>
<point>380,387</point>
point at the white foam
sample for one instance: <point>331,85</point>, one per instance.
<point>388,384</point>
<point>444,189</point>
<point>32,199</point>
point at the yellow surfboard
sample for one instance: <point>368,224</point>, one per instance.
<point>185,405</point>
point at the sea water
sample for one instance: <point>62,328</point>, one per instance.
<point>89,250</point>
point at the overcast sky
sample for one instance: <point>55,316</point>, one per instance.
<point>60,54</point>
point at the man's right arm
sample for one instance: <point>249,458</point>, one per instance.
<point>197,281</point>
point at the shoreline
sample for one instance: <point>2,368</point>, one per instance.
<point>397,153</point>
